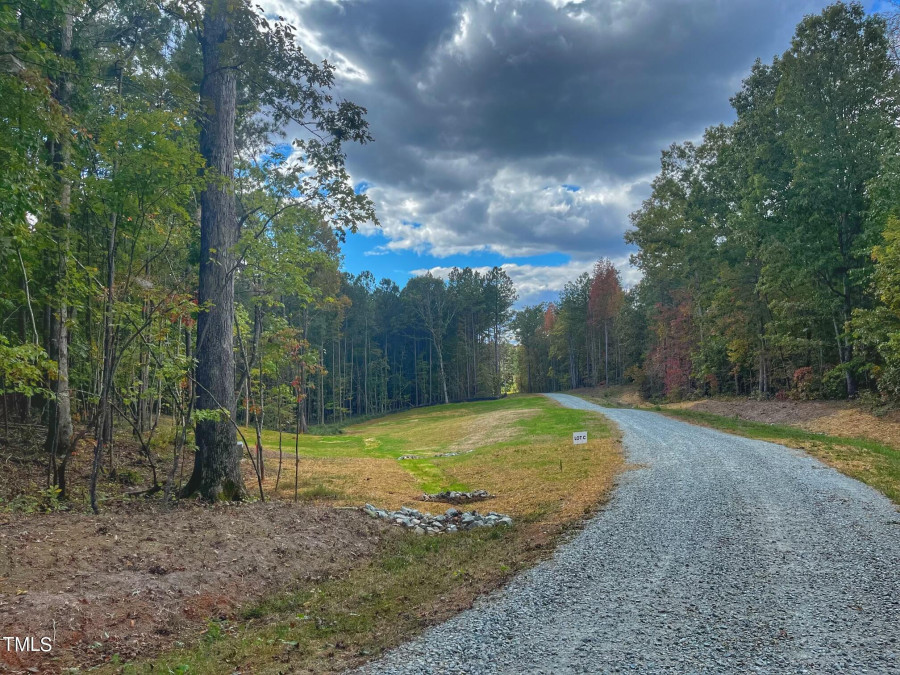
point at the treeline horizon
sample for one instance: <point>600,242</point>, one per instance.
<point>770,250</point>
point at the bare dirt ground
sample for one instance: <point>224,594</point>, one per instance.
<point>139,579</point>
<point>828,417</point>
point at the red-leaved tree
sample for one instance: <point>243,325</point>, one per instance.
<point>604,304</point>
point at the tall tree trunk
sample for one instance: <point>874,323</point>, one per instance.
<point>474,359</point>
<point>496,359</point>
<point>304,389</point>
<point>105,426</point>
<point>440,352</point>
<point>144,354</point>
<point>58,443</point>
<point>280,447</point>
<point>350,389</point>
<point>847,347</point>
<point>366,367</point>
<point>247,401</point>
<point>321,392</point>
<point>297,432</point>
<point>304,423</point>
<point>333,382</point>
<point>606,352</point>
<point>217,472</point>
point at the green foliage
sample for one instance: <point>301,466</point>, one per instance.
<point>212,414</point>
<point>879,327</point>
<point>24,368</point>
<point>43,501</point>
<point>755,244</point>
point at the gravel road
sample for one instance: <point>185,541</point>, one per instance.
<point>721,555</point>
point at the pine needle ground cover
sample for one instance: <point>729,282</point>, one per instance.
<point>267,604</point>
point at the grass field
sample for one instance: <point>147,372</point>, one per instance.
<point>519,449</point>
<point>873,463</point>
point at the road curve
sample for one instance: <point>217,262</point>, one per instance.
<point>719,555</point>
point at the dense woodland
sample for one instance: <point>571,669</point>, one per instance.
<point>770,250</point>
<point>171,258</point>
<point>173,201</point>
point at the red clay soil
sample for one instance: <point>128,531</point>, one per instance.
<point>135,580</point>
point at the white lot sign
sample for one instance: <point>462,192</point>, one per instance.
<point>579,438</point>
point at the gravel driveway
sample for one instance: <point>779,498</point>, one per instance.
<point>719,554</point>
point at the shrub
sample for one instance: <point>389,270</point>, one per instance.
<point>805,384</point>
<point>834,382</point>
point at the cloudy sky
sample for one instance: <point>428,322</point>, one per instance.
<point>522,132</point>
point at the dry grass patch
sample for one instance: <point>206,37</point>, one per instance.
<point>437,431</point>
<point>490,428</point>
<point>522,453</point>
<point>343,481</point>
<point>138,579</point>
<point>856,422</point>
<point>542,476</point>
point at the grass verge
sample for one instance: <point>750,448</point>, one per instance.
<point>871,462</point>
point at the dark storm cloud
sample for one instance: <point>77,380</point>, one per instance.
<point>483,110</point>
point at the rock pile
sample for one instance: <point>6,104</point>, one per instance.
<point>454,497</point>
<point>451,521</point>
<point>441,454</point>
